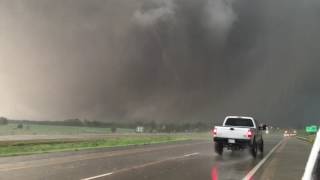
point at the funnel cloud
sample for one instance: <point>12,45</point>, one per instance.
<point>160,60</point>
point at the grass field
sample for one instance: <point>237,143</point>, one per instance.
<point>103,138</point>
<point>33,129</point>
<point>123,137</point>
<point>15,148</point>
<point>310,137</point>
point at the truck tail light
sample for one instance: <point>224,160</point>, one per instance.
<point>214,132</point>
<point>249,134</point>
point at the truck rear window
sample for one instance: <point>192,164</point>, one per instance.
<point>239,122</point>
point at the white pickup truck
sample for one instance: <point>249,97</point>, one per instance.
<point>237,133</point>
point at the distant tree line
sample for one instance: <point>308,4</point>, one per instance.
<point>3,121</point>
<point>149,126</point>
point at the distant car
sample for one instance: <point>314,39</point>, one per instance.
<point>288,133</point>
<point>238,132</point>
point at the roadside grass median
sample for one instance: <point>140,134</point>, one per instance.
<point>302,135</point>
<point>15,148</point>
<point>308,138</point>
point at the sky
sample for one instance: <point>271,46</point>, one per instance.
<point>160,60</point>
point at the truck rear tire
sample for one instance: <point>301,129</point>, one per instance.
<point>218,147</point>
<point>261,146</point>
<point>254,149</point>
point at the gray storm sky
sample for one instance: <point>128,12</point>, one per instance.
<point>163,60</point>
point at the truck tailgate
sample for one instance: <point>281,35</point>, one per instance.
<point>232,132</point>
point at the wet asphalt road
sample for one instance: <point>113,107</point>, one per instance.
<point>287,162</point>
<point>192,160</point>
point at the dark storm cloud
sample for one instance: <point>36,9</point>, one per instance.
<point>164,60</point>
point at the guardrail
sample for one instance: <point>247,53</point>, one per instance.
<point>303,138</point>
<point>312,170</point>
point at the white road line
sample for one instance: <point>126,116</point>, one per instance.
<point>192,154</point>
<point>99,176</point>
<point>5,167</point>
<point>141,166</point>
<point>312,159</point>
<point>256,168</point>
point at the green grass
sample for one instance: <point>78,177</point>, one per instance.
<point>20,147</point>
<point>310,137</point>
<point>33,129</point>
<point>34,147</point>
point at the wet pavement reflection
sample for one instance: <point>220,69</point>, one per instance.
<point>233,165</point>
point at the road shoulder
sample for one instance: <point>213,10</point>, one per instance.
<point>287,162</point>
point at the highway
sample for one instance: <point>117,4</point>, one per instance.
<point>190,160</point>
